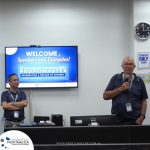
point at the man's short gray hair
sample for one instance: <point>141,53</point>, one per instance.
<point>127,58</point>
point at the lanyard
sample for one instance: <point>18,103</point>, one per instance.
<point>14,99</point>
<point>130,84</point>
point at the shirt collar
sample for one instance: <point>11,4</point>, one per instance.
<point>120,76</point>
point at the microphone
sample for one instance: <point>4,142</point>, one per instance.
<point>126,78</point>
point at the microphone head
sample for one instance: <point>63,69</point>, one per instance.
<point>126,78</point>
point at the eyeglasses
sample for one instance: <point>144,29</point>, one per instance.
<point>128,64</point>
<point>14,80</point>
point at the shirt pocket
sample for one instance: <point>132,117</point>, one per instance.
<point>136,91</point>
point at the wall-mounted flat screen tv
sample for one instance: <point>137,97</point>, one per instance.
<point>42,66</point>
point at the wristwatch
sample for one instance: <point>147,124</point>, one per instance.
<point>142,114</point>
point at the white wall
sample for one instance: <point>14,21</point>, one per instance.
<point>100,28</point>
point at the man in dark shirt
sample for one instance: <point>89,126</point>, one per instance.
<point>13,101</point>
<point>128,94</point>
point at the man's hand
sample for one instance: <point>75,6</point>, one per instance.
<point>125,86</point>
<point>140,120</point>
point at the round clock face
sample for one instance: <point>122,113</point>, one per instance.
<point>142,31</point>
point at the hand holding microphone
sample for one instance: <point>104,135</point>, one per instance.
<point>126,78</point>
<point>126,83</point>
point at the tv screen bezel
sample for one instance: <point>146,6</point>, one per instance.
<point>43,87</point>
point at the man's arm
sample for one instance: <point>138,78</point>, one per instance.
<point>20,104</point>
<point>9,106</point>
<point>111,94</point>
<point>14,106</point>
<point>143,112</point>
<point>143,106</point>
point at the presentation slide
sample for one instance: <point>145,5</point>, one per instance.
<point>43,66</point>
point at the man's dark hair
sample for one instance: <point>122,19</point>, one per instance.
<point>12,74</point>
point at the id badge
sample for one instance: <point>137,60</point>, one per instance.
<point>16,114</point>
<point>128,107</point>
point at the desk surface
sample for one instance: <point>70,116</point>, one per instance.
<point>87,135</point>
<point>136,146</point>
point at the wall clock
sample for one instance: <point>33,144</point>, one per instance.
<point>142,31</point>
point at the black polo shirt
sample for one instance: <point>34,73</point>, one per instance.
<point>8,97</point>
<point>134,95</point>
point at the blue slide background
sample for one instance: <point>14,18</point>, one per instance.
<point>44,69</point>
